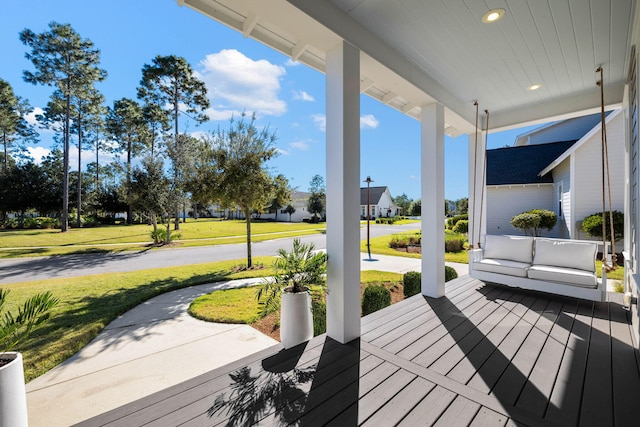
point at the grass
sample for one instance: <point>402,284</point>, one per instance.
<point>239,305</point>
<point>89,303</point>
<point>207,231</point>
<point>380,245</point>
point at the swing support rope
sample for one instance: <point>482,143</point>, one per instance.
<point>606,184</point>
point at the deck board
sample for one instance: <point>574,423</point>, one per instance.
<point>483,355</point>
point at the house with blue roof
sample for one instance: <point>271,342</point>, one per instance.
<point>556,167</point>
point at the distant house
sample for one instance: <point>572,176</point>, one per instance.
<point>380,203</point>
<point>299,200</point>
<point>556,167</point>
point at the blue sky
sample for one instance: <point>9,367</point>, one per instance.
<point>241,75</point>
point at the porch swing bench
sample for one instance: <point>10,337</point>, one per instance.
<point>557,266</point>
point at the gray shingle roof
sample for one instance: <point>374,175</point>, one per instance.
<point>376,194</point>
<point>521,165</point>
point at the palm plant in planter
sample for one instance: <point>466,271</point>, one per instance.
<point>13,329</point>
<point>289,288</point>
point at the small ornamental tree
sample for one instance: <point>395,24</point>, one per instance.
<point>592,225</point>
<point>532,222</point>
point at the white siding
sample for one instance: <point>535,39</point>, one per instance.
<point>587,189</point>
<point>567,130</point>
<point>505,201</point>
<point>562,180</point>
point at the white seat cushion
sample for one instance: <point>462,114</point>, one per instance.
<point>569,276</point>
<point>502,266</point>
<point>566,254</point>
<point>515,248</point>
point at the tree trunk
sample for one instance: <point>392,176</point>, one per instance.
<point>154,222</point>
<point>97,171</point>
<point>167,239</point>
<point>247,214</point>
<point>64,221</point>
<point>176,161</point>
<point>129,206</point>
<point>79,201</point>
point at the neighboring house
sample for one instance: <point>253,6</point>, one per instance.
<point>380,202</point>
<point>299,201</point>
<point>564,177</point>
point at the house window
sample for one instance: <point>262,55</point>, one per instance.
<point>560,214</point>
<point>373,211</point>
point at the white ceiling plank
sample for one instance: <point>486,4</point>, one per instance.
<point>249,24</point>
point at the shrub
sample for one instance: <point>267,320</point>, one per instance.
<point>375,298</point>
<point>397,242</point>
<point>461,226</point>
<point>451,222</point>
<point>592,225</point>
<point>411,282</point>
<point>386,220</point>
<point>449,273</point>
<point>453,245</point>
<point>319,311</point>
<point>531,222</point>
<point>159,235</point>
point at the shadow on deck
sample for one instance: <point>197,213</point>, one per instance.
<point>481,355</point>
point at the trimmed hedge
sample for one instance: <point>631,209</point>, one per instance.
<point>453,245</point>
<point>450,273</point>
<point>461,226</point>
<point>451,222</point>
<point>375,297</point>
<point>411,283</point>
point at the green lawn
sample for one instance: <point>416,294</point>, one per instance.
<point>199,232</point>
<point>380,245</point>
<point>89,303</point>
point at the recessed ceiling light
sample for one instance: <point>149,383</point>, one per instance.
<point>534,86</point>
<point>493,15</point>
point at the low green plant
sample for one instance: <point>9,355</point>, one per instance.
<point>32,314</point>
<point>375,297</point>
<point>592,225</point>
<point>451,222</point>
<point>461,226</point>
<point>450,273</point>
<point>319,311</point>
<point>295,271</point>
<point>533,221</point>
<point>159,235</point>
<point>411,283</point>
<point>453,245</point>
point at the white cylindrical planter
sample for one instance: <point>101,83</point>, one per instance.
<point>13,396</point>
<point>296,319</point>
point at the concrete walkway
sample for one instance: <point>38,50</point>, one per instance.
<point>152,347</point>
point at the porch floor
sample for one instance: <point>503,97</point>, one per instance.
<point>483,355</point>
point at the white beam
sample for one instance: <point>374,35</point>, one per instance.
<point>249,24</point>
<point>365,84</point>
<point>298,50</point>
<point>343,193</point>
<point>388,97</point>
<point>432,182</point>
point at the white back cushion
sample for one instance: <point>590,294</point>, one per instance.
<point>566,253</point>
<point>515,248</point>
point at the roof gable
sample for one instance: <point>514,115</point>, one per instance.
<point>522,165</point>
<point>375,195</point>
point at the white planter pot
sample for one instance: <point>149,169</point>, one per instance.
<point>296,319</point>
<point>13,396</point>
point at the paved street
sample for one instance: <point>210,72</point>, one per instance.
<point>25,269</point>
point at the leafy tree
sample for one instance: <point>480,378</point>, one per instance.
<point>13,126</point>
<point>462,206</point>
<point>169,84</point>
<point>65,61</point>
<point>592,225</point>
<point>281,194</point>
<point>236,171</point>
<point>416,208</point>
<point>290,210</point>
<point>403,202</point>
<point>150,192</point>
<point>126,126</point>
<point>20,188</point>
<point>318,198</point>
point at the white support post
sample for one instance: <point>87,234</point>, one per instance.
<point>432,182</point>
<point>343,193</point>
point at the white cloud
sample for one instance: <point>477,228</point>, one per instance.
<point>38,153</point>
<point>31,119</point>
<point>283,152</point>
<point>300,145</point>
<point>320,121</point>
<point>222,113</point>
<point>291,63</point>
<point>368,121</point>
<point>238,83</point>
<point>301,95</point>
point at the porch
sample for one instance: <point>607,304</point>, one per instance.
<point>480,355</point>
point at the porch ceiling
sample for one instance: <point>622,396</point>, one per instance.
<point>415,52</point>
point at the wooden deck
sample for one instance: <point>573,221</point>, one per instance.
<point>484,355</point>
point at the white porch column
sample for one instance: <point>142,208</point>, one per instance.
<point>432,182</point>
<point>477,194</point>
<point>343,193</point>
